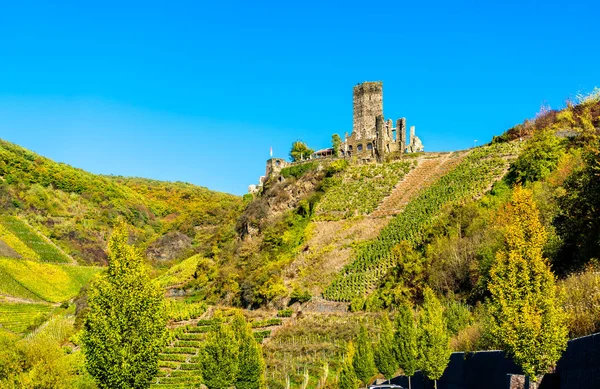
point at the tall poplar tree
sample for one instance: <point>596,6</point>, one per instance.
<point>525,307</point>
<point>385,357</point>
<point>363,361</point>
<point>405,341</point>
<point>347,375</point>
<point>251,364</point>
<point>219,357</point>
<point>433,340</point>
<point>125,328</point>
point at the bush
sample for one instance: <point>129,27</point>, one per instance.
<point>300,296</point>
<point>298,171</point>
<point>539,158</point>
<point>336,166</point>
<point>285,313</point>
<point>582,302</point>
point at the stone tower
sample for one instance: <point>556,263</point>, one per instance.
<point>368,105</point>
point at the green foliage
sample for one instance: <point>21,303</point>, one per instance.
<point>347,375</point>
<point>300,151</point>
<point>577,222</point>
<point>19,318</point>
<point>43,281</point>
<point>405,340</point>
<point>251,370</point>
<point>39,361</point>
<point>539,157</point>
<point>300,296</point>
<point>385,358</point>
<point>525,309</point>
<point>457,315</point>
<point>299,170</point>
<point>182,310</point>
<point>374,259</point>
<point>363,361</point>
<point>582,302</point>
<point>77,209</point>
<point>44,250</point>
<point>219,358</point>
<point>358,189</point>
<point>433,340</point>
<point>285,312</point>
<point>125,325</point>
<point>337,166</point>
<point>336,143</point>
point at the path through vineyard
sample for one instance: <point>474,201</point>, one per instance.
<point>329,246</point>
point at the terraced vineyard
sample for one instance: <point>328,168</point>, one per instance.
<point>360,188</point>
<point>16,317</point>
<point>471,178</point>
<point>312,345</point>
<point>28,243</point>
<point>179,362</point>
<point>43,281</point>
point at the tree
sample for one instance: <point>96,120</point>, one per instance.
<point>336,143</point>
<point>385,358</point>
<point>433,339</point>
<point>219,357</point>
<point>125,328</point>
<point>347,375</point>
<point>300,151</point>
<point>525,308</point>
<point>539,158</point>
<point>251,365</point>
<point>577,222</point>
<point>363,361</point>
<point>405,340</point>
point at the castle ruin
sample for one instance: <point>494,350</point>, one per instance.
<point>372,136</point>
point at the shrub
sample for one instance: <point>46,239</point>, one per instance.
<point>582,302</point>
<point>285,313</point>
<point>298,171</point>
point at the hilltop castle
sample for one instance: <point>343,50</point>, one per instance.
<point>372,136</point>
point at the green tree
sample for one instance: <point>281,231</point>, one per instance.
<point>125,327</point>
<point>405,341</point>
<point>219,357</point>
<point>577,222</point>
<point>539,158</point>
<point>300,151</point>
<point>347,375</point>
<point>525,308</point>
<point>251,365</point>
<point>385,358</point>
<point>363,361</point>
<point>336,143</point>
<point>433,339</point>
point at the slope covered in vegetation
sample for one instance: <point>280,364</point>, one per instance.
<point>77,209</point>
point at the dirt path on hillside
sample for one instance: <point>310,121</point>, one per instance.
<point>330,245</point>
<point>427,172</point>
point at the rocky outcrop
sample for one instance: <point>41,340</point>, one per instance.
<point>170,246</point>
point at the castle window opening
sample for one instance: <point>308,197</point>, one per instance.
<point>369,146</point>
<point>359,147</point>
<point>350,148</point>
<point>277,163</point>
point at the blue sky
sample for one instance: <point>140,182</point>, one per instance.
<point>198,91</point>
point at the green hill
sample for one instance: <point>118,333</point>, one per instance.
<point>76,209</point>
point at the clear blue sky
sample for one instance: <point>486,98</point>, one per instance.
<point>198,91</point>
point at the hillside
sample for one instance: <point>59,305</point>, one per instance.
<point>75,209</point>
<point>325,247</point>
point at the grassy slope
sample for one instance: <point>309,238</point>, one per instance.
<point>76,209</point>
<point>43,281</point>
